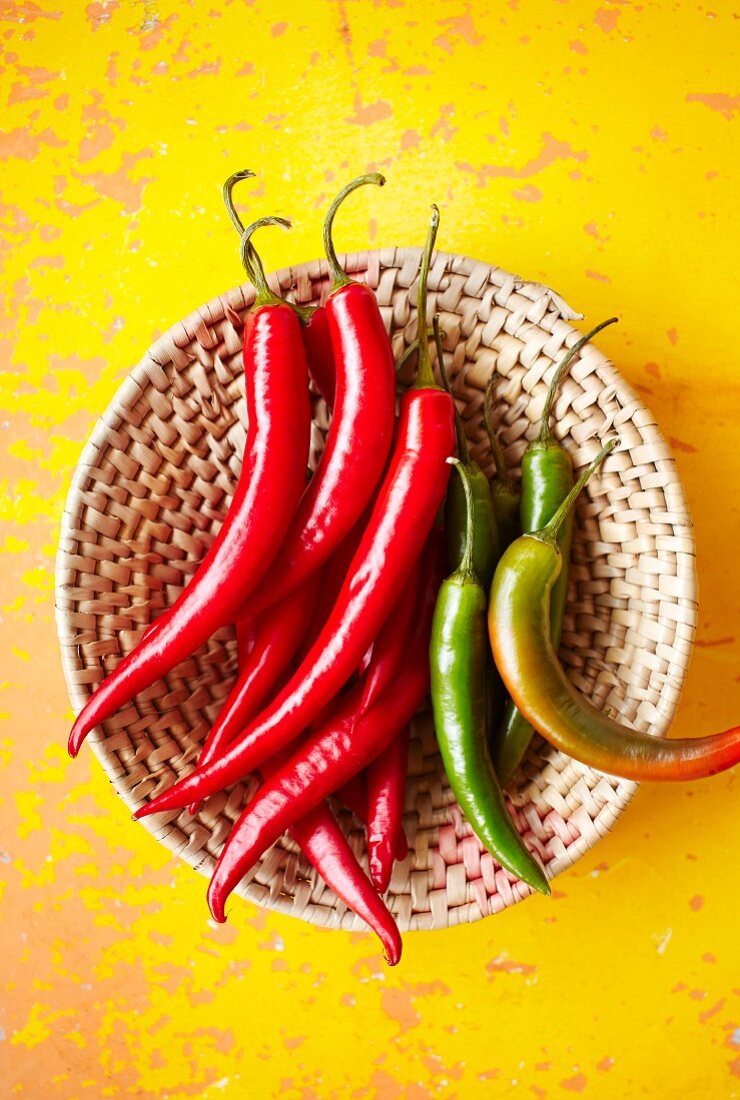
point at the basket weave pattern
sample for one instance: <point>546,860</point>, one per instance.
<point>154,484</point>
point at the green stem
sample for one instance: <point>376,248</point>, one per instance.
<point>549,533</point>
<point>257,276</point>
<point>228,187</point>
<point>466,565</point>
<point>462,439</point>
<point>425,375</point>
<point>502,470</point>
<point>409,351</point>
<point>545,434</point>
<point>338,276</point>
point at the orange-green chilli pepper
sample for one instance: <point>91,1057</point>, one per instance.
<point>519,629</point>
<point>458,657</point>
<point>486,547</point>
<point>547,478</point>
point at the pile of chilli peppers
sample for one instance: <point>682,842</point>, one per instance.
<point>382,579</point>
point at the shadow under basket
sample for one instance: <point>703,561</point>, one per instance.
<point>154,483</point>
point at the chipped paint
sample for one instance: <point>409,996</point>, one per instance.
<point>590,146</point>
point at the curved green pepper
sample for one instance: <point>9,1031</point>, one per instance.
<point>458,659</point>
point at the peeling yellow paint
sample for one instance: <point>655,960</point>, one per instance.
<point>591,146</point>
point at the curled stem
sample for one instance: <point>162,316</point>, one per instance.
<point>562,367</point>
<point>339,277</point>
<point>257,273</point>
<point>228,187</point>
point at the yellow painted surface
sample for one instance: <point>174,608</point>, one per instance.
<point>588,145</point>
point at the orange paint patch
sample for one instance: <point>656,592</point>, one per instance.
<point>577,1083</point>
<point>399,1005</point>
<point>681,445</point>
<point>726,105</point>
<point>713,1011</point>
<point>551,151</point>
<point>508,966</point>
<point>99,13</point>
<point>367,115</point>
<point>606,20</point>
<point>696,903</point>
<point>460,29</point>
<point>24,145</point>
<point>528,193</point>
<point>598,276</point>
<point>118,185</point>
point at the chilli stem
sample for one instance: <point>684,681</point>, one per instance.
<point>462,439</point>
<point>562,367</point>
<point>425,375</point>
<point>228,187</point>
<point>502,470</point>
<point>338,276</point>
<point>264,295</point>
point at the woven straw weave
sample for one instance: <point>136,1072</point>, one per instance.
<point>154,483</point>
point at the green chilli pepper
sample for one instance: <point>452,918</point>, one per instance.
<point>458,658</point>
<point>547,478</point>
<point>505,494</point>
<point>486,546</point>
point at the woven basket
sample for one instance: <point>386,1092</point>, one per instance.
<point>153,485</point>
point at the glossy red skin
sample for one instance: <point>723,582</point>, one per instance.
<point>386,776</point>
<point>320,353</point>
<point>276,637</point>
<point>399,525</point>
<point>329,584</point>
<point>276,451</point>
<point>389,648</point>
<point>357,446</point>
<point>353,794</point>
<point>329,757</point>
<point>386,797</point>
<point>326,848</point>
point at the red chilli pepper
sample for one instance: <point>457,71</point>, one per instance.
<point>279,417</point>
<point>386,777</point>
<point>328,758</point>
<point>398,527</point>
<point>353,795</point>
<point>386,798</point>
<point>360,433</point>
<point>326,848</point>
<point>314,325</point>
